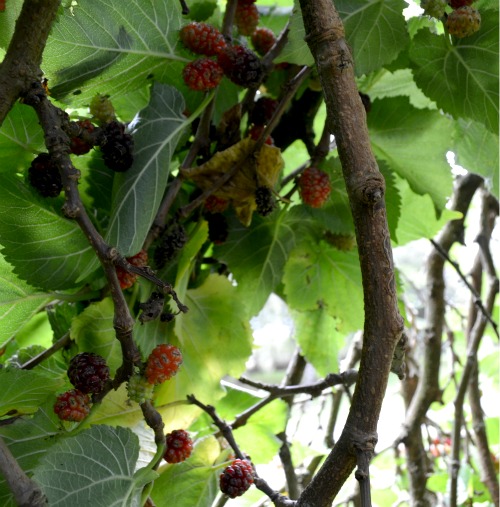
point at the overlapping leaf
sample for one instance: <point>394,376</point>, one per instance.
<point>461,78</point>
<point>137,193</point>
<point>18,302</point>
<point>413,143</point>
<point>45,248</point>
<point>89,472</point>
<point>102,43</point>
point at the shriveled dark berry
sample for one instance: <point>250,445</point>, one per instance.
<point>236,478</point>
<point>152,308</point>
<point>117,147</point>
<point>241,65</point>
<point>171,241</point>
<point>265,200</point>
<point>44,176</point>
<point>263,110</point>
<point>88,372</point>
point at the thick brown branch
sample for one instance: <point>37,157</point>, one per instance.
<point>21,65</point>
<point>365,186</point>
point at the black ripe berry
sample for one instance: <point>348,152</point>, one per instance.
<point>88,372</point>
<point>241,65</point>
<point>218,228</point>
<point>171,241</point>
<point>117,147</point>
<point>265,201</point>
<point>44,176</point>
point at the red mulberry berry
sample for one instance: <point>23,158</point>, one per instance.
<point>314,187</point>
<point>179,446</point>
<point>127,279</point>
<point>72,406</point>
<point>463,22</point>
<point>78,145</point>
<point>214,204</point>
<point>117,147</point>
<point>202,75</point>
<point>236,478</point>
<point>241,65</point>
<point>202,38</point>
<point>256,131</point>
<point>102,109</point>
<point>88,372</point>
<point>44,176</point>
<point>163,363</point>
<point>263,40</point>
<point>246,18</point>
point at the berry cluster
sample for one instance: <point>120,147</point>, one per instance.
<point>236,478</point>
<point>163,363</point>
<point>314,187</point>
<point>179,446</point>
<point>462,21</point>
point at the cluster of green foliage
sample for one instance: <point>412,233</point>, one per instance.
<point>429,95</point>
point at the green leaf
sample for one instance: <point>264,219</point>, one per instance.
<point>18,302</point>
<point>95,467</point>
<point>461,78</point>
<point>45,248</point>
<point>20,137</point>
<point>214,338</point>
<point>23,391</point>
<point>28,440</point>
<point>382,84</point>
<point>414,143</point>
<point>98,57</point>
<point>93,331</point>
<point>192,483</point>
<point>418,217</point>
<point>318,275</point>
<point>256,256</point>
<point>320,342</point>
<point>476,150</point>
<point>375,29</point>
<point>137,193</point>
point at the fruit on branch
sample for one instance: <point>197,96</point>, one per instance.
<point>256,131</point>
<point>344,242</point>
<point>78,146</point>
<point>72,405</point>
<point>463,22</point>
<point>314,187</point>
<point>434,8</point>
<point>263,40</point>
<point>246,17</point>
<point>152,308</point>
<point>126,278</point>
<point>263,110</point>
<point>218,228</point>
<point>202,38</point>
<point>163,363</point>
<point>139,389</point>
<point>171,241</point>
<point>241,65</point>
<point>102,109</point>
<point>202,74</point>
<point>44,176</point>
<point>236,478</point>
<point>456,4</point>
<point>117,147</point>
<point>179,446</point>
<point>265,201</point>
<point>214,204</point>
<point>88,372</point>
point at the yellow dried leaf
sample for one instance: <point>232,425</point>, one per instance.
<point>254,171</point>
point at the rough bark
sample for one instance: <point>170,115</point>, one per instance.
<point>365,186</point>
